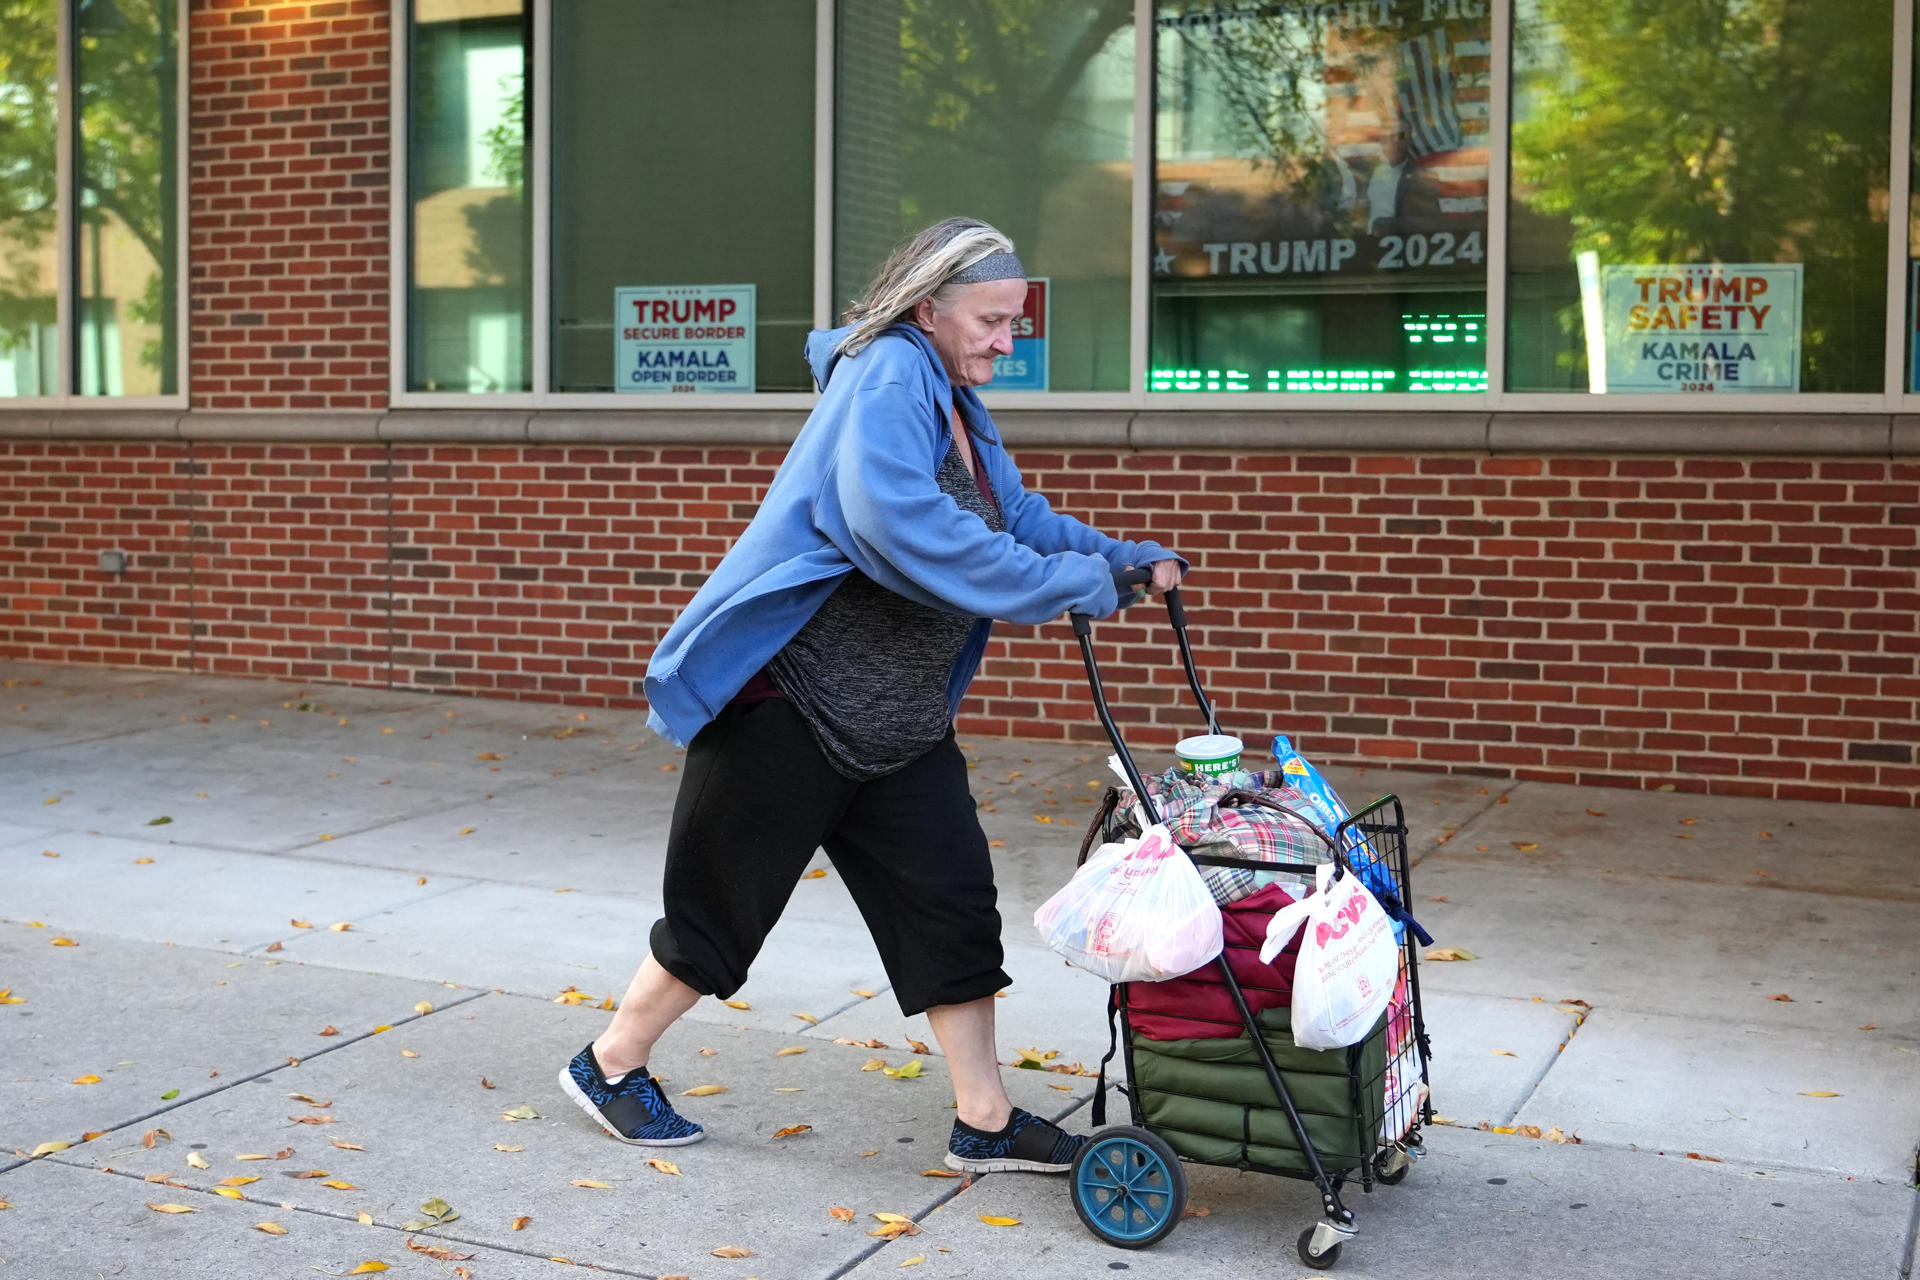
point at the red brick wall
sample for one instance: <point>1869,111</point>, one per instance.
<point>1745,626</point>
<point>288,202</point>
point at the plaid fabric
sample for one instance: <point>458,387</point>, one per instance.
<point>1190,807</point>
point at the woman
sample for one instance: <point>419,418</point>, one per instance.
<point>815,677</point>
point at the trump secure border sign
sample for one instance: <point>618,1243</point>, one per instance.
<point>1718,328</point>
<point>686,338</point>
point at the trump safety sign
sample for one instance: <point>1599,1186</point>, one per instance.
<point>1723,327</point>
<point>685,338</point>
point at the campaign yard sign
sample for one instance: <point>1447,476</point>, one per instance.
<point>1026,368</point>
<point>1719,328</point>
<point>684,338</point>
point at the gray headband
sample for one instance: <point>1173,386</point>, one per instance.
<point>1004,265</point>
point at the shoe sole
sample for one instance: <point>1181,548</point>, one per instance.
<point>965,1165</point>
<point>572,1090</point>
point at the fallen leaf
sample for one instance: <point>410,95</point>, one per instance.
<point>300,924</point>
<point>520,1223</point>
<point>419,879</point>
<point>1556,1134</point>
<point>368,1268</point>
<point>197,1161</point>
<point>789,1090</point>
<point>669,768</point>
<point>1505,1053</point>
<point>704,1091</point>
<point>312,1119</point>
<point>905,1071</point>
<point>159,822</point>
<point>423,1008</point>
<point>168,1208</point>
<point>940,1173</point>
<point>1870,1026</point>
<point>818,873</point>
<point>310,1101</point>
<point>917,1046</point>
<point>271,1228</point>
<point>1766,835</point>
<point>1818,1093</point>
<point>63,942</point>
<point>864,995</point>
<point>91,1134</point>
<point>865,1154</point>
<point>808,1018</point>
<point>485,1083</point>
<point>1481,848</point>
<point>7,996</point>
<point>1595,813</point>
<point>48,1148</point>
<point>999,1222</point>
<point>311,1173</point>
<point>237,1180</point>
<point>996,844</point>
<point>1528,1130</point>
<point>344,1145</point>
<point>273,946</point>
<point>87,1079</point>
<point>1695,1155</point>
<point>366,1219</point>
<point>730,1250</point>
<point>521,1112</point>
<point>597,1186</point>
<point>1525,846</point>
<point>283,1153</point>
<point>339,1185</point>
<point>489,755</point>
<point>1198,1210</point>
<point>229,1193</point>
<point>914,1261</point>
<point>789,1051</point>
<point>408,1053</point>
<point>738,1004</point>
<point>466,831</point>
<point>340,926</point>
<point>1449,953</point>
<point>1783,998</point>
<point>792,1129</point>
<point>501,1146</point>
<point>874,1064</point>
<point>439,1252</point>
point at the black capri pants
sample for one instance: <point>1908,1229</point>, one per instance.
<point>758,796</point>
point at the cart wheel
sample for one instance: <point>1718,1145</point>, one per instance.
<point>1128,1187</point>
<point>1324,1261</point>
<point>1390,1167</point>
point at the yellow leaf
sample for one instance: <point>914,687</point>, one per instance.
<point>597,1186</point>
<point>520,1223</point>
<point>738,1004</point>
<point>382,1027</point>
<point>864,995</point>
<point>408,1053</point>
<point>818,873</point>
<point>999,1222</point>
<point>1783,998</point>
<point>168,1208</point>
<point>366,1219</point>
<point>88,1079</point>
<point>792,1129</point>
<point>704,1091</point>
<point>64,942</point>
<point>874,1064</point>
<point>7,996</point>
<point>344,1145</point>
<point>906,1071</point>
<point>368,1268</point>
<point>300,924</point>
<point>1449,953</point>
<point>940,1173</point>
<point>466,831</point>
<point>732,1251</point>
<point>914,1261</point>
<point>489,755</point>
<point>424,1007</point>
<point>1504,1053</point>
<point>91,1134</point>
<point>339,926</point>
<point>197,1160</point>
<point>48,1148</point>
<point>501,1146</point>
<point>665,1166</point>
<point>865,1154</point>
<point>386,730</point>
<point>271,1228</point>
<point>51,800</point>
<point>325,836</point>
<point>808,1018</point>
<point>419,879</point>
<point>1064,1088</point>
<point>1525,846</point>
<point>845,1215</point>
<point>338,1185</point>
<point>143,862</point>
<point>229,1193</point>
<point>789,1051</point>
<point>238,1180</point>
<point>1818,1093</point>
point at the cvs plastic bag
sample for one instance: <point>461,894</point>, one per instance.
<point>1136,911</point>
<point>1348,961</point>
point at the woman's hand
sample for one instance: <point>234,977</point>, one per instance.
<point>1166,576</point>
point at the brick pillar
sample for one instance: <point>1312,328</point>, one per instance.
<point>289,202</point>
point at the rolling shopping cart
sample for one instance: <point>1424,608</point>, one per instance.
<point>1239,1093</point>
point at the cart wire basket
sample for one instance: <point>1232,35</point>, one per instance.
<point>1213,1074</point>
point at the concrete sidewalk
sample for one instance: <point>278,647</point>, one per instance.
<point>1746,1087</point>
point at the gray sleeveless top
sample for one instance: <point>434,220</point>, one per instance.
<point>868,672</point>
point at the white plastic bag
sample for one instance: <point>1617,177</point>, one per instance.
<point>1136,911</point>
<point>1348,961</point>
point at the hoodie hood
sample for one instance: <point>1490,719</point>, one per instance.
<point>823,352</point>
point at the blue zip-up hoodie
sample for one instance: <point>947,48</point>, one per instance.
<point>857,491</point>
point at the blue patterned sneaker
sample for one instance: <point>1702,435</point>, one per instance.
<point>634,1110</point>
<point>1027,1145</point>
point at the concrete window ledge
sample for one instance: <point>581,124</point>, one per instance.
<point>1827,435</point>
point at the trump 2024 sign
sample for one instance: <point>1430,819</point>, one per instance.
<point>684,338</point>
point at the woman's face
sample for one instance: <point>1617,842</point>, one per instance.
<point>974,328</point>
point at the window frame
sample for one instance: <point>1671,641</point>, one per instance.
<point>67,225</point>
<point>1893,398</point>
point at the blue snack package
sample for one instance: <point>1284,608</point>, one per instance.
<point>1332,811</point>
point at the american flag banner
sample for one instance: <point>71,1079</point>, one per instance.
<point>1425,89</point>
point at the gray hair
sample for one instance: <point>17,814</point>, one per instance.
<point>921,268</point>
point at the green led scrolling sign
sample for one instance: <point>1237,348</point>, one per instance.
<point>1442,352</point>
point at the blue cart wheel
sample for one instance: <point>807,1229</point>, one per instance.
<point>1128,1187</point>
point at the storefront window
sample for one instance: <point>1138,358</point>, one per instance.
<point>29,200</point>
<point>468,307</point>
<point>1699,195</point>
<point>1016,111</point>
<point>1320,197</point>
<point>127,337</point>
<point>682,195</point>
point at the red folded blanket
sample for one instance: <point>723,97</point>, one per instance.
<point>1198,1005</point>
